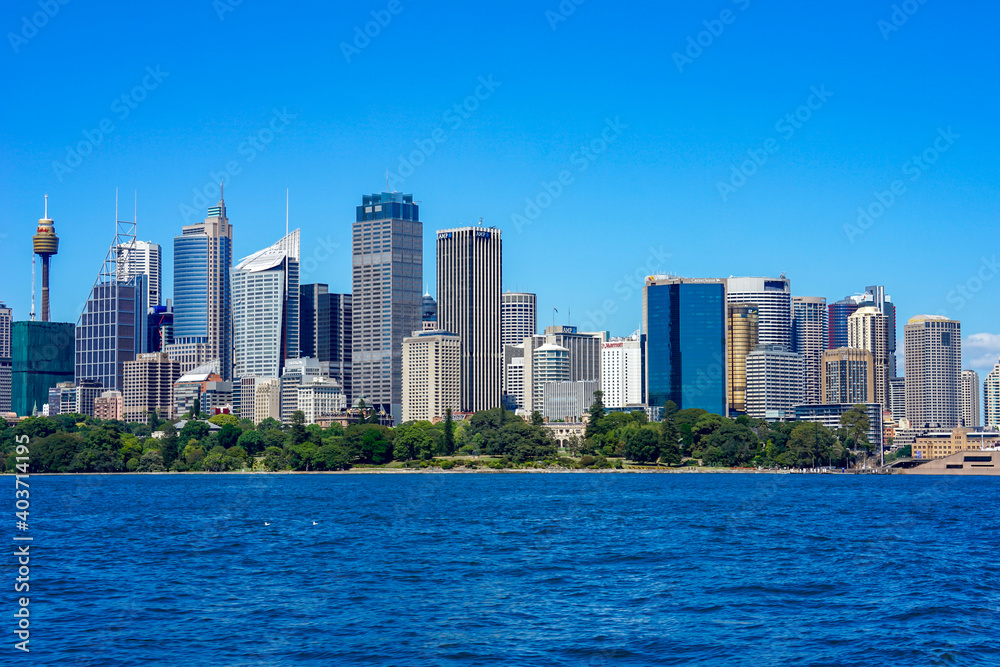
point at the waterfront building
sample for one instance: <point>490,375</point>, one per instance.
<point>741,334</point>
<point>970,399</point>
<point>518,317</point>
<point>203,261</point>
<point>387,261</point>
<point>848,376</point>
<point>265,295</point>
<point>774,382</point>
<point>432,375</point>
<point>622,365</point>
<point>773,298</point>
<point>939,443</point>
<point>933,357</point>
<point>809,338</point>
<point>149,386</point>
<point>684,321</point>
<point>829,416</point>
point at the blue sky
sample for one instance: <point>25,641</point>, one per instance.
<point>642,138</point>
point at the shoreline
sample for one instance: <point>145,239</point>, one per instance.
<point>439,471</point>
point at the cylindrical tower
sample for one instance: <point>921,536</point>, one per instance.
<point>46,244</point>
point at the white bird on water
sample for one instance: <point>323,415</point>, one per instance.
<point>266,523</point>
<point>315,523</point>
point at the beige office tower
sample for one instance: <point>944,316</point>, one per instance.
<point>149,385</point>
<point>810,331</point>
<point>848,376</point>
<point>866,331</point>
<point>267,400</point>
<point>432,375</point>
<point>970,399</point>
<point>741,340</point>
<point>933,355</point>
<point>468,284</point>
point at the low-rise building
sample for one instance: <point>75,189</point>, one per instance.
<point>940,443</point>
<point>109,405</point>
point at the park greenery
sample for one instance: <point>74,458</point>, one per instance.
<point>72,443</point>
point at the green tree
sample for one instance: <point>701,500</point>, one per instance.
<point>536,418</point>
<point>596,413</point>
<point>855,421</point>
<point>151,462</point>
<point>449,433</point>
<point>169,444</point>
<point>269,424</point>
<point>252,442</point>
<point>222,419</point>
<point>195,409</point>
<point>298,434</point>
<point>228,435</point>
<point>643,445</point>
<point>194,430</point>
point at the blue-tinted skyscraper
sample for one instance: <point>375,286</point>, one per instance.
<point>203,327</point>
<point>387,273</point>
<point>684,321</point>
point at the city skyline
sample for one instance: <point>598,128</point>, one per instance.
<point>516,129</point>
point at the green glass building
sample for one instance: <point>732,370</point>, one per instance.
<point>42,356</point>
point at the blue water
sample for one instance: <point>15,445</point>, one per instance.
<point>513,569</point>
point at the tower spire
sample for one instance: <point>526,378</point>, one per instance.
<point>222,199</point>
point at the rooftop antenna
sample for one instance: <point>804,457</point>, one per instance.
<point>46,207</point>
<point>480,222</point>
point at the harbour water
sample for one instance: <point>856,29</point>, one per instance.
<point>514,569</point>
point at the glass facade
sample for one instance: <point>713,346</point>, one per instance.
<point>685,327</point>
<point>42,358</point>
<point>111,331</point>
<point>191,287</point>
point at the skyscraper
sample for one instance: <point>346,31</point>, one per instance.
<point>387,260</point>
<point>933,357</point>
<point>432,369</point>
<point>469,276</point>
<point>149,387</point>
<point>112,328</point>
<point>42,357</point>
<point>203,259</point>
<point>143,257</point>
<point>265,293</point>
<point>876,297</point>
<point>429,313</point>
<point>838,312</point>
<point>6,318</point>
<point>518,317</point>
<point>809,338</point>
<point>773,298</point>
<point>848,376</point>
<point>684,321</point>
<point>741,324</point>
<point>866,331</point>
<point>326,331</point>
<point>774,382</point>
<point>584,349</point>
<point>991,397</point>
<point>622,365</point>
<point>550,363</point>
<point>970,399</point>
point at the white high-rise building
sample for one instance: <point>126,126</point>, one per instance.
<point>809,338</point>
<point>773,297</point>
<point>774,382</point>
<point>866,330</point>
<point>469,274</point>
<point>622,365</point>
<point>970,399</point>
<point>991,398</point>
<point>933,356</point>
<point>431,375</point>
<point>295,373</point>
<point>144,257</point>
<point>584,358</point>
<point>518,317</point>
<point>550,363</point>
<point>266,309</point>
<point>320,397</point>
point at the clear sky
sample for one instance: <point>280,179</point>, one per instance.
<point>643,109</point>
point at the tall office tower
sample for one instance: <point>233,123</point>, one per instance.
<point>432,375</point>
<point>149,387</point>
<point>848,376</point>
<point>429,313</point>
<point>41,357</point>
<point>550,363</point>
<point>809,338</point>
<point>469,274</point>
<point>159,327</point>
<point>684,321</point>
<point>143,257</point>
<point>622,365</point>
<point>203,327</point>
<point>876,297</point>
<point>267,400</point>
<point>295,372</point>
<point>45,244</point>
<point>584,357</point>
<point>970,399</point>
<point>838,312</point>
<point>866,331</point>
<point>897,398</point>
<point>387,259</point>
<point>112,328</point>
<point>6,318</point>
<point>991,398</point>
<point>265,294</point>
<point>741,325</point>
<point>326,331</point>
<point>518,317</point>
<point>775,384</point>
<point>932,350</point>
<point>773,298</point>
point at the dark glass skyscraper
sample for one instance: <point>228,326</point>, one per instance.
<point>327,331</point>
<point>685,325</point>
<point>839,311</point>
<point>42,358</point>
<point>387,272</point>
